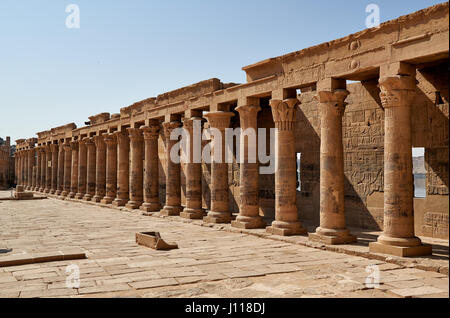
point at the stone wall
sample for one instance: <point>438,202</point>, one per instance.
<point>6,175</point>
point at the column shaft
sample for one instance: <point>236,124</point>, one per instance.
<point>248,217</point>
<point>151,169</point>
<point>123,168</point>
<point>90,179</point>
<point>111,169</point>
<point>193,131</point>
<point>173,173</point>
<point>61,156</point>
<point>219,212</point>
<point>55,152</point>
<point>43,168</point>
<point>48,169</point>
<point>397,95</point>
<point>67,169</point>
<point>332,228</point>
<point>82,169</point>
<point>30,168</point>
<point>100,169</point>
<point>38,168</point>
<point>74,170</point>
<point>286,212</point>
<point>136,168</point>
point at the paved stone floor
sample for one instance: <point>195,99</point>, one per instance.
<point>209,262</point>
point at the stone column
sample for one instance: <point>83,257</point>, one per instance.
<point>38,169</point>
<point>111,169</point>
<point>43,168</point>
<point>123,168</point>
<point>67,168</point>
<point>397,95</point>
<point>286,214</point>
<point>23,167</point>
<point>60,187</point>
<point>48,169</point>
<point>219,212</point>
<point>19,168</point>
<point>151,169</point>
<point>74,175</point>
<point>332,228</point>
<point>54,149</point>
<point>193,209</point>
<point>100,169</point>
<point>173,174</point>
<point>249,217</point>
<point>136,168</point>
<point>30,162</point>
<point>90,179</point>
<point>33,170</point>
<point>82,169</point>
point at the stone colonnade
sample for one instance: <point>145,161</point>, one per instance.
<point>121,168</point>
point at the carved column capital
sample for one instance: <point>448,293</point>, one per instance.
<point>67,146</point>
<point>397,91</point>
<point>122,137</point>
<point>336,98</point>
<point>89,141</point>
<point>110,140</point>
<point>219,119</point>
<point>74,144</point>
<point>150,132</point>
<point>99,140</point>
<point>54,148</point>
<point>283,112</point>
<point>169,127</point>
<point>248,111</point>
<point>135,134</point>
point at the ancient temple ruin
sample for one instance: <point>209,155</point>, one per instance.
<point>352,109</point>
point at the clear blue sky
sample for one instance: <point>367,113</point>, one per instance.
<point>126,51</point>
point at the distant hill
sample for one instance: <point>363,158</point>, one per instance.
<point>419,165</point>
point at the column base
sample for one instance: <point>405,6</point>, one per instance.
<point>97,198</point>
<point>79,196</point>
<point>248,222</point>
<point>41,190</point>
<point>192,214</point>
<point>421,250</point>
<point>71,195</point>
<point>46,190</point>
<point>150,207</point>
<point>286,228</point>
<point>332,237</point>
<point>58,192</point>
<point>217,217</point>
<point>402,247</point>
<point>107,200</point>
<point>64,193</point>
<point>35,189</point>
<point>133,205</point>
<point>119,202</point>
<point>87,197</point>
<point>171,210</point>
